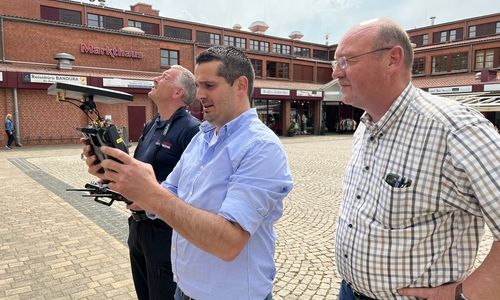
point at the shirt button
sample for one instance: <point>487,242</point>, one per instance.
<point>350,225</point>
<point>190,193</point>
<point>174,249</point>
<point>201,167</point>
<point>345,255</point>
<point>367,168</point>
<point>372,138</point>
<point>358,197</point>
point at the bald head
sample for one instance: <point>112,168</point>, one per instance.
<point>383,33</point>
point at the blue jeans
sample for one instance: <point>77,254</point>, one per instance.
<point>179,297</point>
<point>346,292</point>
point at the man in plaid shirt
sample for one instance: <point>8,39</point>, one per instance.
<point>422,182</point>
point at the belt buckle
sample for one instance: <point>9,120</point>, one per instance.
<point>139,216</point>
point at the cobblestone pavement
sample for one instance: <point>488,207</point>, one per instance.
<point>59,245</point>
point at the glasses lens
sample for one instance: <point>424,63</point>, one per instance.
<point>334,64</point>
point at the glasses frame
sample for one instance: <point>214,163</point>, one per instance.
<point>342,61</point>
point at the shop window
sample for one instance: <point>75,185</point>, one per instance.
<point>302,114</point>
<point>302,52</point>
<point>259,45</point>
<point>448,35</point>
<point>486,58</point>
<point>418,66</point>
<point>283,49</point>
<point>169,57</point>
<point>60,15</point>
<point>104,21</point>
<point>269,112</point>
<point>148,28</point>
<point>177,32</point>
<point>449,63</point>
<point>484,29</point>
<point>277,70</point>
<point>257,67</point>
<point>207,37</point>
<point>320,54</point>
<point>235,42</point>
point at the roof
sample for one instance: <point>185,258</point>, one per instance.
<point>449,80</point>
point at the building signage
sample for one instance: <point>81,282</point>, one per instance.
<point>110,51</point>
<point>117,82</point>
<point>451,89</point>
<point>309,94</point>
<point>275,92</point>
<point>491,87</point>
<point>47,78</point>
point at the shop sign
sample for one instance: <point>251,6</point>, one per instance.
<point>110,51</point>
<point>491,87</point>
<point>275,92</point>
<point>125,83</point>
<point>451,89</point>
<point>46,78</point>
<point>309,94</point>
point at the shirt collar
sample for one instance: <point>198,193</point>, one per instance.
<point>397,109</point>
<point>230,126</point>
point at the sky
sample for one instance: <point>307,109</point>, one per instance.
<point>315,18</point>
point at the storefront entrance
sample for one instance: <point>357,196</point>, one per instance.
<point>270,113</point>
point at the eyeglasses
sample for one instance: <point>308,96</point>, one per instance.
<point>342,61</point>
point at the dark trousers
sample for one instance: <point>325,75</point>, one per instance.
<point>10,137</point>
<point>149,246</point>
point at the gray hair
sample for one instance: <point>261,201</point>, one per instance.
<point>390,34</point>
<point>185,80</point>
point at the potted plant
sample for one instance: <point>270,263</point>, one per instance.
<point>323,129</point>
<point>291,129</point>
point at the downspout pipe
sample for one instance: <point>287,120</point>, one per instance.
<point>3,40</point>
<point>16,113</point>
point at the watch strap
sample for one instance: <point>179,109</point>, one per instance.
<point>458,292</point>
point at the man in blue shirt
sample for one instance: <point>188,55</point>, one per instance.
<point>225,194</point>
<point>161,145</point>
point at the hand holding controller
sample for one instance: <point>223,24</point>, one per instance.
<point>97,137</point>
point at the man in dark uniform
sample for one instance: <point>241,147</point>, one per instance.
<point>161,144</point>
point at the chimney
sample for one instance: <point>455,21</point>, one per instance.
<point>144,9</point>
<point>488,75</point>
<point>64,60</point>
<point>432,20</point>
<point>258,27</point>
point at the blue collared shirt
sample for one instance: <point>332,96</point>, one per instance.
<point>243,177</point>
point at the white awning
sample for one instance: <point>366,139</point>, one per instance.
<point>480,101</point>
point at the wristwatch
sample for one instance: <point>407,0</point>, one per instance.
<point>458,292</point>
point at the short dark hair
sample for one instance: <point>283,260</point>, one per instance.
<point>234,63</point>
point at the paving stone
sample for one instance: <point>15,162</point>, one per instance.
<point>60,245</point>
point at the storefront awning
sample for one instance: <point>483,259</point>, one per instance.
<point>483,102</point>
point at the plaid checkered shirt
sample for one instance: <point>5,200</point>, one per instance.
<point>426,233</point>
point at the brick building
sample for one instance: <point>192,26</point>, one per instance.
<point>65,40</point>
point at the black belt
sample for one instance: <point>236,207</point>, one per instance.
<point>184,296</point>
<point>358,295</point>
<point>139,216</point>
